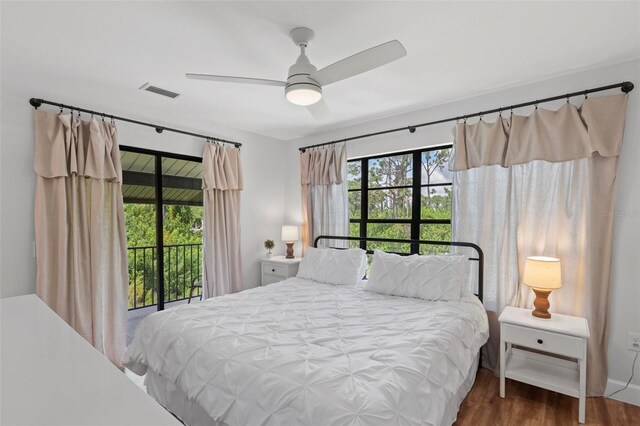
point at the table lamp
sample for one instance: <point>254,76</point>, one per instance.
<point>289,235</point>
<point>542,274</point>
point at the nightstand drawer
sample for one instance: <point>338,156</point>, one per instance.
<point>560,344</point>
<point>275,269</point>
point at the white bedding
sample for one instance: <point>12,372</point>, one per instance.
<point>301,352</point>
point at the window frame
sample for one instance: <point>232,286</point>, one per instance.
<point>416,191</point>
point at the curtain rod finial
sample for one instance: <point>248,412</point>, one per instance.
<point>35,102</point>
<point>627,86</point>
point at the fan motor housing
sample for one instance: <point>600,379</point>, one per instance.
<point>308,90</point>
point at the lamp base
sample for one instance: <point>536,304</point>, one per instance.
<point>541,304</point>
<point>289,251</point>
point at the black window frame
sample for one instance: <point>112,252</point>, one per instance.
<point>416,190</point>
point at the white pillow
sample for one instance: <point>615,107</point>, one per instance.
<point>364,265</point>
<point>333,266</point>
<point>421,277</point>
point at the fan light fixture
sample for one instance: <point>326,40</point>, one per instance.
<point>303,94</point>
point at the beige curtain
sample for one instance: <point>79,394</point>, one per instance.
<point>81,253</point>
<point>542,185</point>
<point>222,183</point>
<point>325,204</point>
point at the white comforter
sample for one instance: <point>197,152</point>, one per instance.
<point>300,352</point>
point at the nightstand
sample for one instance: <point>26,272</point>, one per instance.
<point>278,268</point>
<point>560,337</point>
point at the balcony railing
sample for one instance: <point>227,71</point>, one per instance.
<point>182,266</point>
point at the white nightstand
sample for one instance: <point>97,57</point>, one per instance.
<point>278,268</point>
<point>562,335</point>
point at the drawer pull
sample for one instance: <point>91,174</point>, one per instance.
<point>273,270</point>
<point>540,341</point>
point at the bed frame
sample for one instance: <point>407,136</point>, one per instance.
<point>417,243</point>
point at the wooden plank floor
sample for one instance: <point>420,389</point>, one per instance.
<point>528,405</point>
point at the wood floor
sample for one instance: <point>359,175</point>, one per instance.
<point>527,405</point>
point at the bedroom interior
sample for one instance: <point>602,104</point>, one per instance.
<point>313,212</point>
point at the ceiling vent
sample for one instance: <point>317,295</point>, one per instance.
<point>159,90</point>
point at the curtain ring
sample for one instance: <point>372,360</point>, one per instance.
<point>500,112</point>
<point>61,109</point>
<point>457,120</point>
<point>568,98</point>
<point>586,94</point>
<point>465,119</point>
<point>511,114</point>
<point>103,118</point>
<point>536,104</point>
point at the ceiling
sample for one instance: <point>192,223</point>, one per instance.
<point>455,50</point>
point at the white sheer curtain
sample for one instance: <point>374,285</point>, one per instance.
<point>81,252</point>
<point>325,204</point>
<point>542,185</point>
<point>222,183</point>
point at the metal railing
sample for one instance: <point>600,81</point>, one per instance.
<point>182,266</point>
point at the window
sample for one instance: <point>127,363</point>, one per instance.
<point>403,195</point>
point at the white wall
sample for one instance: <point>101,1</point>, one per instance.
<point>262,207</point>
<point>625,298</point>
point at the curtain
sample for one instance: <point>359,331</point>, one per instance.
<point>81,252</point>
<point>325,204</point>
<point>222,183</point>
<point>543,185</point>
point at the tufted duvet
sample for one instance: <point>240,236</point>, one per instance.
<point>301,352</point>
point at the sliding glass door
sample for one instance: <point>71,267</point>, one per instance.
<point>163,218</point>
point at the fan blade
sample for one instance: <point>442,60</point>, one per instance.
<point>319,110</point>
<point>360,62</point>
<point>230,79</point>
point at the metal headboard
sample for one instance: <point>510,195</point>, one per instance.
<point>479,258</point>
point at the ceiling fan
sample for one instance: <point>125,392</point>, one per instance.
<point>305,82</point>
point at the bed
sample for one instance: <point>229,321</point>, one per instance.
<point>304,352</point>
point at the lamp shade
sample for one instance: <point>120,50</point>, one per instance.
<point>542,273</point>
<point>289,233</point>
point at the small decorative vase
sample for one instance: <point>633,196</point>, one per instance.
<point>269,254</point>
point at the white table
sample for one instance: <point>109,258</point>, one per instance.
<point>278,268</point>
<point>50,375</point>
<point>560,337</point>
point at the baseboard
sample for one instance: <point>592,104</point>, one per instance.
<point>631,395</point>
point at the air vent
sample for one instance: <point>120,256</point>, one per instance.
<point>159,90</point>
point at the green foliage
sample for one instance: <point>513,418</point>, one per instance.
<point>182,238</point>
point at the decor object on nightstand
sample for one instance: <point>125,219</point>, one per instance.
<point>269,245</point>
<point>278,268</point>
<point>542,274</point>
<point>561,368</point>
<point>289,236</point>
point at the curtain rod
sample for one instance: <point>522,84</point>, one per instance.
<point>625,86</point>
<point>36,102</point>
